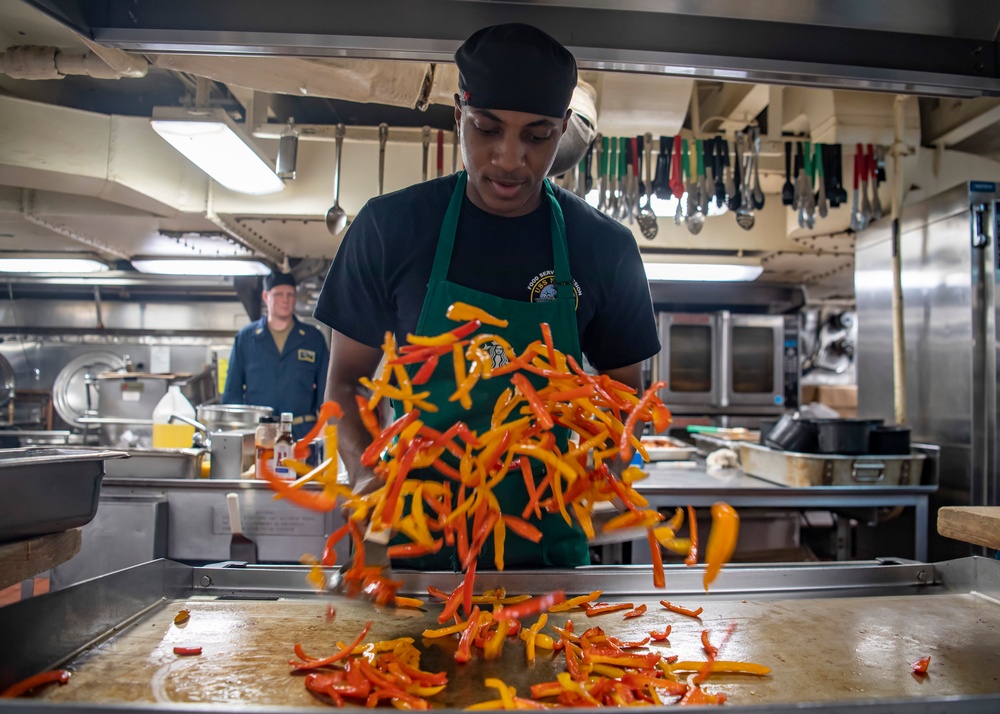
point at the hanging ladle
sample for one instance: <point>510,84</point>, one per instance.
<point>336,217</point>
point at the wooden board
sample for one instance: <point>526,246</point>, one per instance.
<point>23,559</point>
<point>979,525</point>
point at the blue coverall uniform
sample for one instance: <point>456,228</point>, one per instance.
<point>292,381</point>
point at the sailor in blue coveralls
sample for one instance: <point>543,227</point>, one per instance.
<point>278,361</point>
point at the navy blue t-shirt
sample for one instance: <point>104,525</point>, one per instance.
<point>379,277</point>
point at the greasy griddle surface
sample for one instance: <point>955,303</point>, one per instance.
<point>824,649</point>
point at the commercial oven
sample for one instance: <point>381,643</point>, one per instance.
<point>725,363</point>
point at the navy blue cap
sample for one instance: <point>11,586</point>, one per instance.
<point>276,278</point>
<point>516,67</point>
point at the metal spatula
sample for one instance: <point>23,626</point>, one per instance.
<point>376,544</point>
<point>241,548</point>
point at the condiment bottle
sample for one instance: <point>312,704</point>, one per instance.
<point>263,441</point>
<point>283,447</point>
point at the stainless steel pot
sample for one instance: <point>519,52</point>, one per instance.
<point>228,417</point>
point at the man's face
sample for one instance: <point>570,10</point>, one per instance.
<point>507,156</point>
<point>280,301</point>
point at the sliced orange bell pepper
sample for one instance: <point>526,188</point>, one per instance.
<point>721,540</point>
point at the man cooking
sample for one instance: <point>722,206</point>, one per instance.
<point>501,237</point>
<point>279,361</point>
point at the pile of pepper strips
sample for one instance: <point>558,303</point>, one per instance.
<point>602,412</point>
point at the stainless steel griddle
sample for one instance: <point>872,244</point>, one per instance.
<point>838,637</point>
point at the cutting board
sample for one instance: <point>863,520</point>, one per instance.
<point>979,525</point>
<point>23,559</point>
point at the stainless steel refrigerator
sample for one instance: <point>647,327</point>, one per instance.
<point>950,267</point>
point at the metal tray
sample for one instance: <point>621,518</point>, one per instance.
<point>793,469</point>
<point>158,463</point>
<point>46,490</point>
<point>674,450</point>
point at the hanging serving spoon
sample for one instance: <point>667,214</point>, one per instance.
<point>425,139</point>
<point>744,214</point>
<point>336,217</point>
<point>866,207</point>
<point>601,155</point>
<point>857,217</point>
<point>647,217</point>
<point>758,194</point>
<point>383,136</point>
<point>788,190</point>
<point>821,198</point>
<point>696,196</point>
<point>873,166</point>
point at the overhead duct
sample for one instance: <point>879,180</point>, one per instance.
<point>44,62</point>
<point>393,83</point>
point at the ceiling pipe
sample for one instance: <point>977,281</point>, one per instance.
<point>45,62</point>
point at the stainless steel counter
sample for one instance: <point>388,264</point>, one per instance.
<point>670,485</point>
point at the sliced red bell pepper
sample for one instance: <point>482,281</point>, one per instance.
<point>523,528</point>
<point>920,666</point>
<point>681,610</point>
<point>370,455</point>
<point>336,657</point>
<point>603,608</point>
<point>329,554</point>
<point>187,651</point>
<point>36,680</point>
<point>464,651</point>
<point>534,401</point>
<point>534,606</point>
<point>660,636</point>
<point>329,410</point>
<point>636,612</point>
<point>426,370</point>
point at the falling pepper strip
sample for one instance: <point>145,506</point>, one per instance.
<point>721,540</point>
<point>920,666</point>
<point>187,651</point>
<point>530,607</point>
<point>692,556</point>
<point>460,312</point>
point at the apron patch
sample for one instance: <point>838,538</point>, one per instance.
<point>307,356</point>
<point>543,288</point>
<point>496,352</point>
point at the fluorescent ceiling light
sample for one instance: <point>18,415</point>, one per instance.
<point>721,272</point>
<point>217,145</point>
<point>51,265</point>
<point>199,266</point>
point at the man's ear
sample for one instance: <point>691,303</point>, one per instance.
<point>565,123</point>
<point>458,110</point>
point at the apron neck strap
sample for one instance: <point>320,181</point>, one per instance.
<point>449,228</point>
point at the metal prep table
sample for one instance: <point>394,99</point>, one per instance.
<point>669,486</point>
<point>839,637</point>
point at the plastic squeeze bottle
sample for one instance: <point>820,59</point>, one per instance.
<point>177,435</point>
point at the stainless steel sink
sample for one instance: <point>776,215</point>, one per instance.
<point>157,464</point>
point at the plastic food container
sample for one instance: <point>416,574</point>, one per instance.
<point>47,490</point>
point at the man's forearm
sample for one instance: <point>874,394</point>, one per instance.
<point>352,436</point>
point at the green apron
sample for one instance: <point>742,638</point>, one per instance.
<point>562,545</point>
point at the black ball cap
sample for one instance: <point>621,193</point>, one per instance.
<point>276,278</point>
<point>516,67</point>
